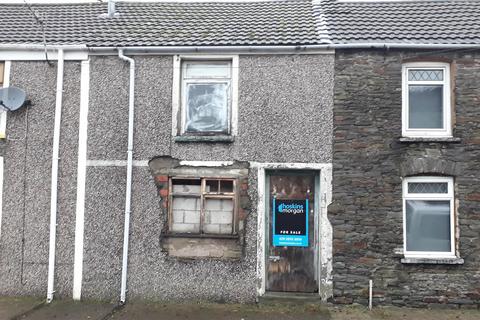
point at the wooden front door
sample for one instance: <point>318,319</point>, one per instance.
<point>291,265</point>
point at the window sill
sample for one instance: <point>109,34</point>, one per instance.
<point>220,138</point>
<point>415,260</point>
<point>430,139</point>
<point>199,246</point>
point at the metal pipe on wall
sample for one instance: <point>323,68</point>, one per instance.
<point>54,182</point>
<point>128,195</point>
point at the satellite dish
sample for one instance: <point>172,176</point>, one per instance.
<point>12,98</point>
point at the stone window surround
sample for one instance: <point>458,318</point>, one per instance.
<point>447,103</point>
<point>177,129</point>
<point>432,257</point>
<point>437,167</point>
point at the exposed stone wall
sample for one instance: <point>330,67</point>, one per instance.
<point>27,152</point>
<point>368,165</point>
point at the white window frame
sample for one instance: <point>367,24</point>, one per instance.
<point>3,113</point>
<point>178,97</point>
<point>446,131</point>
<point>449,196</point>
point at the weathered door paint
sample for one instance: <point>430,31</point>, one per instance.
<point>292,268</point>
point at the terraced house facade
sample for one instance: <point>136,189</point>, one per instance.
<point>231,151</point>
<point>405,178</point>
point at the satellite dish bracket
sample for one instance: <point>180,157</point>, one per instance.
<point>4,106</point>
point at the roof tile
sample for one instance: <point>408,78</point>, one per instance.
<point>276,22</point>
<point>419,22</point>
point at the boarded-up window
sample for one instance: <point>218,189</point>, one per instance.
<point>202,206</point>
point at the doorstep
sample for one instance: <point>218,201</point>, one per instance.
<point>289,297</point>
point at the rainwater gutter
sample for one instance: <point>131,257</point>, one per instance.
<point>54,179</point>
<point>241,48</point>
<point>128,195</point>
<point>276,49</point>
<point>374,45</point>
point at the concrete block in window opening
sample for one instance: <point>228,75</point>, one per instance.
<point>183,203</point>
<point>185,227</point>
<point>211,228</point>
<point>213,204</point>
<point>221,217</point>
<point>219,204</point>
<point>227,205</point>
<point>225,228</point>
<point>185,188</point>
<point>192,216</point>
<point>177,216</point>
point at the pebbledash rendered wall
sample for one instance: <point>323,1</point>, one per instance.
<point>27,153</point>
<point>284,115</point>
<point>368,165</point>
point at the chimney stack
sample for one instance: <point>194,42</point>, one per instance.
<point>111,8</point>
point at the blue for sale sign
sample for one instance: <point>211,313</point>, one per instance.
<point>290,223</point>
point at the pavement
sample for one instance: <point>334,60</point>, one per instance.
<point>15,308</point>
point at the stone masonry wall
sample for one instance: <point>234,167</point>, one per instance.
<point>368,165</point>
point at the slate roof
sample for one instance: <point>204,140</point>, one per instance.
<point>276,22</point>
<point>415,22</point>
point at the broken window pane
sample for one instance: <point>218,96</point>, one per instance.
<point>212,186</point>
<point>207,107</point>
<point>226,186</point>
<point>192,186</point>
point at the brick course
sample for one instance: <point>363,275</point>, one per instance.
<point>368,165</point>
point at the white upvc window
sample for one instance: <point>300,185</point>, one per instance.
<point>428,217</point>
<point>426,102</point>
<point>205,95</point>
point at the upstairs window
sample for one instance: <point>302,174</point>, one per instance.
<point>428,217</point>
<point>426,100</point>
<point>205,96</point>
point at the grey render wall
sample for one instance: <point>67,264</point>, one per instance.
<point>27,177</point>
<point>368,165</point>
<point>285,115</point>
<point>284,110</point>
